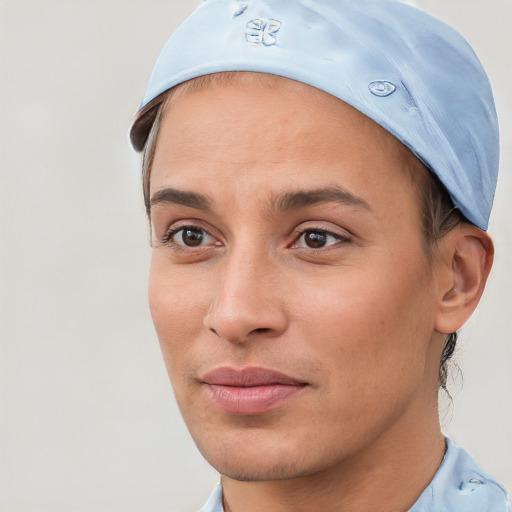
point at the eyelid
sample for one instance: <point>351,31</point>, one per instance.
<point>340,234</point>
<point>342,237</point>
<point>172,234</point>
<point>180,225</point>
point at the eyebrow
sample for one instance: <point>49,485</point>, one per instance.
<point>174,196</point>
<point>286,201</point>
<point>303,198</point>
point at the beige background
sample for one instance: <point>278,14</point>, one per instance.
<point>88,422</point>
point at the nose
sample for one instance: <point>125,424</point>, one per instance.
<point>248,302</point>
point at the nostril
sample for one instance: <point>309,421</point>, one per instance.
<point>260,330</point>
<point>239,338</point>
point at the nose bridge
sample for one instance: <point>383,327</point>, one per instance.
<point>245,302</point>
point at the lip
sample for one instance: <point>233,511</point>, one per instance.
<point>250,390</point>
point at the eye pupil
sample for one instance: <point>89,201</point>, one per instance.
<point>315,239</point>
<point>192,237</point>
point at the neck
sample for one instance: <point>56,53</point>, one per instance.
<point>393,470</point>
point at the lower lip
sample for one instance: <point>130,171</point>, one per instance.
<point>251,400</point>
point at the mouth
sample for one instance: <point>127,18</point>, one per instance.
<point>250,390</point>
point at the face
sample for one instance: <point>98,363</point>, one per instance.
<point>289,287</point>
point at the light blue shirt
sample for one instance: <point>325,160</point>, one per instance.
<point>459,485</point>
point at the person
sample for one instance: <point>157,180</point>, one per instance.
<point>318,177</point>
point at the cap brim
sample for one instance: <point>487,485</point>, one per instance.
<point>142,123</point>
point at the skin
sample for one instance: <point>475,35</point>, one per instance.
<point>359,320</point>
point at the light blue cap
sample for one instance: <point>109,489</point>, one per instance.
<point>409,72</point>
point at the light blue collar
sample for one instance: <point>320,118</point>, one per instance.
<point>460,484</point>
<point>214,503</point>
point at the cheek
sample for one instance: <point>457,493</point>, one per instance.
<point>375,354</point>
<point>177,307</point>
<point>371,326</point>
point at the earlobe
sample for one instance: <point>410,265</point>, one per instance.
<point>467,255</point>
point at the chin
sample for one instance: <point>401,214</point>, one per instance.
<point>249,469</point>
<point>255,457</point>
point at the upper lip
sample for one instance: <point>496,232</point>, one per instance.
<point>248,377</point>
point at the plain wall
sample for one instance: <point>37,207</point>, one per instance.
<point>87,417</point>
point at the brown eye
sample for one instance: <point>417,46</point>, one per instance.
<point>318,239</point>
<point>315,239</point>
<point>191,236</point>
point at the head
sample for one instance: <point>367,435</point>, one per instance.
<point>437,212</point>
<point>316,243</point>
<point>292,233</point>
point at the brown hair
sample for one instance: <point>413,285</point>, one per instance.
<point>437,212</point>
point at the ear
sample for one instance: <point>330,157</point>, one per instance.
<point>465,260</point>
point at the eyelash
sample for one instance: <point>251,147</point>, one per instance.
<point>168,239</point>
<point>319,231</point>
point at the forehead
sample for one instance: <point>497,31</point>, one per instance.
<point>283,109</point>
<point>266,132</point>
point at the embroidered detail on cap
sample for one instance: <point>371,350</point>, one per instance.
<point>242,7</point>
<point>262,31</point>
<point>381,88</point>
